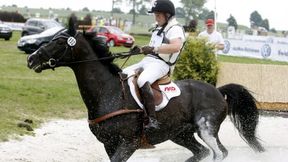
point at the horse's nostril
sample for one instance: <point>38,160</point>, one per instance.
<point>29,61</point>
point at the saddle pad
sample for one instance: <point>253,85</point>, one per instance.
<point>168,91</point>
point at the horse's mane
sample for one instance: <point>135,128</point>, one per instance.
<point>101,49</point>
<point>97,44</point>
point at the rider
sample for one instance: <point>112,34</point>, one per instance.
<point>165,44</point>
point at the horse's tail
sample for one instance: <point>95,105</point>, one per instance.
<point>243,113</point>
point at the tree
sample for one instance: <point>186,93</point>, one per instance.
<point>255,19</point>
<point>192,8</point>
<point>265,24</point>
<point>232,22</point>
<point>135,7</point>
<point>211,15</point>
<point>143,10</point>
<point>204,14</point>
<point>116,10</point>
<point>115,2</point>
<point>180,12</point>
<point>11,16</point>
<point>85,9</point>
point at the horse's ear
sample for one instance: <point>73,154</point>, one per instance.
<point>83,30</point>
<point>72,25</point>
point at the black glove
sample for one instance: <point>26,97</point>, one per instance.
<point>147,50</point>
<point>135,50</point>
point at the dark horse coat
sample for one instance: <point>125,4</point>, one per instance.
<point>201,108</point>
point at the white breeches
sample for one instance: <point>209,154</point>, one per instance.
<point>153,70</point>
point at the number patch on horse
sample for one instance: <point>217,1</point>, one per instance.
<point>71,41</point>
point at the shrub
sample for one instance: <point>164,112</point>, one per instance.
<point>11,17</point>
<point>197,61</point>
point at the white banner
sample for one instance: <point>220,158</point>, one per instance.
<point>262,47</point>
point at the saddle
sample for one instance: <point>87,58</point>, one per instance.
<point>158,97</point>
<point>163,90</point>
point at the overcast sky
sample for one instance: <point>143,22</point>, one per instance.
<point>274,10</point>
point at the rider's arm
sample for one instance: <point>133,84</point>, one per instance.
<point>220,46</point>
<point>176,38</point>
<point>173,47</point>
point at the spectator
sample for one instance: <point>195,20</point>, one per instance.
<point>212,35</point>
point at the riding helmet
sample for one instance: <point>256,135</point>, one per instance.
<point>165,6</point>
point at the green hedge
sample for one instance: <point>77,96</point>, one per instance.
<point>197,61</point>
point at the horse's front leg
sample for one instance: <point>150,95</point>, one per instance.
<point>123,150</point>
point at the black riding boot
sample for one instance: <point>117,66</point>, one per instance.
<point>148,101</point>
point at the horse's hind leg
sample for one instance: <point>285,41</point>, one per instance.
<point>208,132</point>
<point>187,140</point>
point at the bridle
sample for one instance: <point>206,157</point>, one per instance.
<point>69,46</point>
<point>71,41</point>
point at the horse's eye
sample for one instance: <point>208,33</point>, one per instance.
<point>60,42</point>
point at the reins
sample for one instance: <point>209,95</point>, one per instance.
<point>121,55</point>
<point>71,41</point>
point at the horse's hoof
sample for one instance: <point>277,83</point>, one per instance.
<point>192,159</point>
<point>202,155</point>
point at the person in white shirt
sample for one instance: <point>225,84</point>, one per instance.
<point>212,35</point>
<point>165,44</point>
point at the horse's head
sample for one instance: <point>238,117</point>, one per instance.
<point>60,51</point>
<point>68,47</point>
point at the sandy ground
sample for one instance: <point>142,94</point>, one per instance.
<point>72,141</point>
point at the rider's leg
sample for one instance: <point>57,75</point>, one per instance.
<point>153,70</point>
<point>148,101</point>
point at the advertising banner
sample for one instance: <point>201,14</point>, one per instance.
<point>261,47</point>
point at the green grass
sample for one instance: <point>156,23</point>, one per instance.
<point>25,94</point>
<point>245,60</point>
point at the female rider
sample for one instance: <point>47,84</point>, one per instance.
<point>166,42</point>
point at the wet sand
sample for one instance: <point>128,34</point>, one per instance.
<point>72,141</point>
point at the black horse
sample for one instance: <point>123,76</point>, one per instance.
<point>118,122</point>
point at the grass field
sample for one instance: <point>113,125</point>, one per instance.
<point>25,94</point>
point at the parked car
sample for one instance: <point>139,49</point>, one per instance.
<point>5,31</point>
<point>115,36</point>
<point>31,43</point>
<point>35,26</point>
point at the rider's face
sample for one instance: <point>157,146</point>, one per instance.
<point>160,18</point>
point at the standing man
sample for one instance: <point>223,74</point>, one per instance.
<point>161,53</point>
<point>212,35</point>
